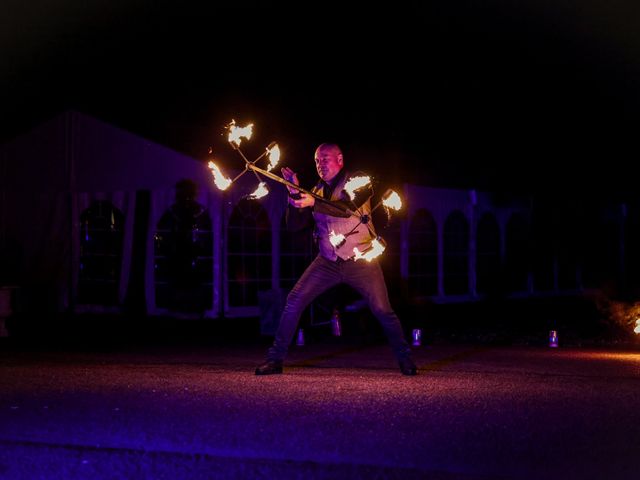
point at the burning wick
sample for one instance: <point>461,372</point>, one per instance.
<point>219,179</point>
<point>637,329</point>
<point>274,157</point>
<point>259,192</point>
<point>356,183</point>
<point>337,240</point>
<point>236,133</point>
<point>378,246</point>
<point>392,200</point>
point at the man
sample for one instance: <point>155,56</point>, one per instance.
<point>335,264</point>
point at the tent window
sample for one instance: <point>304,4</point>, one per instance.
<point>456,254</point>
<point>423,255</point>
<point>248,253</point>
<point>184,257</point>
<point>297,251</point>
<point>543,253</point>
<point>517,253</point>
<point>488,262</point>
<point>101,235</point>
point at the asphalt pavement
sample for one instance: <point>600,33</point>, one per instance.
<point>338,411</point>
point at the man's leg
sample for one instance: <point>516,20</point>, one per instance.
<point>321,275</point>
<point>368,280</point>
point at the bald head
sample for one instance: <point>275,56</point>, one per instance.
<point>329,147</point>
<point>329,161</point>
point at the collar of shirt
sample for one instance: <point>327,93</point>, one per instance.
<point>328,187</point>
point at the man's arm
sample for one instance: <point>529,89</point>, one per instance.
<point>298,215</point>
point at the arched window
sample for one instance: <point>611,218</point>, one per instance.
<point>184,255</point>
<point>423,255</point>
<point>296,253</point>
<point>543,254</point>
<point>456,254</point>
<point>248,253</point>
<point>517,253</point>
<point>101,236</point>
<point>488,262</point>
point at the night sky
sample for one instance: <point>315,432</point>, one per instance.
<point>496,95</point>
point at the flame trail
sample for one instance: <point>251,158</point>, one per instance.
<point>356,183</point>
<point>259,192</point>
<point>274,157</point>
<point>337,240</point>
<point>637,329</point>
<point>236,133</point>
<point>375,250</point>
<point>219,179</point>
<point>392,200</point>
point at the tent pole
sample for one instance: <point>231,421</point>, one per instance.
<point>69,147</point>
<point>223,257</point>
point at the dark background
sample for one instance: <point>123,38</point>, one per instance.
<point>535,96</point>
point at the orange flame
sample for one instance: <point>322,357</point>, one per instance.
<point>260,192</point>
<point>375,250</point>
<point>337,240</point>
<point>624,314</point>
<point>274,157</point>
<point>392,200</point>
<point>356,183</point>
<point>219,179</point>
<point>236,133</point>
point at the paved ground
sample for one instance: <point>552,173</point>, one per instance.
<point>339,411</point>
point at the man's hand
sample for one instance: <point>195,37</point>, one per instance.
<point>304,200</point>
<point>290,176</point>
<point>301,200</point>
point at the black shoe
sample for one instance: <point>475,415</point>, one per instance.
<point>407,367</point>
<point>269,367</point>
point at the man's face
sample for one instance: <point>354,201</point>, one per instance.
<point>328,162</point>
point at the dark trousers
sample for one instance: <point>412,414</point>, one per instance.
<point>365,277</point>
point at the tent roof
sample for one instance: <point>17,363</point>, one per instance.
<point>74,151</point>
